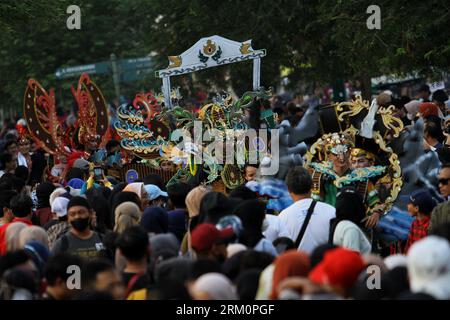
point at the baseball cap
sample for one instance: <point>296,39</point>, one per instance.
<point>206,235</point>
<point>423,200</point>
<point>339,267</point>
<point>78,201</point>
<point>59,206</point>
<point>428,262</point>
<point>154,191</point>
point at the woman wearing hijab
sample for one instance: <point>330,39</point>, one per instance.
<point>193,200</point>
<point>345,229</point>
<point>292,263</point>
<point>127,214</point>
<point>43,192</point>
<point>138,188</point>
<point>12,236</point>
<point>33,233</point>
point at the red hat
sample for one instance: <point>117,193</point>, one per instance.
<point>339,267</point>
<point>206,235</point>
<point>428,109</point>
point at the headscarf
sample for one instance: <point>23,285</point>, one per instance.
<point>291,263</point>
<point>55,194</point>
<point>126,215</point>
<point>216,286</point>
<point>174,269</point>
<point>76,183</point>
<point>12,235</point>
<point>155,220</point>
<point>193,199</point>
<point>265,283</point>
<point>43,192</point>
<point>33,233</point>
<point>162,247</point>
<point>135,187</point>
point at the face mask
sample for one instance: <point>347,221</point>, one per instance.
<point>80,224</point>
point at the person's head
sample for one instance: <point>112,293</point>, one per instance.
<point>59,208</point>
<point>338,271</point>
<point>24,146</point>
<point>12,148</point>
<point>79,214</point>
<point>440,97</point>
<point>318,253</point>
<point>283,244</point>
<point>424,92</point>
<point>350,206</point>
<point>137,188</point>
<point>210,243</point>
<point>56,275</point>
<point>8,162</point>
<point>289,264</point>
<point>155,220</point>
<point>252,214</point>
<point>156,197</point>
<point>412,108</point>
<point>75,173</point>
<point>133,244</point>
<point>428,109</point>
<point>156,180</point>
<point>177,194</point>
<point>43,192</point>
<point>124,196</point>
<point>101,276</point>
<point>127,214</point>
<point>428,263</point>
<point>250,171</point>
<point>421,202</point>
<point>243,193</point>
<point>5,206</point>
<point>361,158</point>
<point>213,206</point>
<point>22,172</point>
<point>213,286</point>
<point>338,148</point>
<point>298,182</point>
<point>433,132</point>
<point>21,206</point>
<point>167,165</point>
<point>444,179</point>
<point>33,233</point>
<point>112,146</point>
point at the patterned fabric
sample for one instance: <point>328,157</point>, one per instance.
<point>56,231</point>
<point>419,230</point>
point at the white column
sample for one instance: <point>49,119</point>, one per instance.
<point>166,92</point>
<point>256,73</point>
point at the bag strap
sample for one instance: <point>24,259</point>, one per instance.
<point>132,282</point>
<point>305,223</point>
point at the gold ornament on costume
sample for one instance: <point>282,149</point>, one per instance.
<point>389,121</point>
<point>245,48</point>
<point>209,48</point>
<point>174,62</point>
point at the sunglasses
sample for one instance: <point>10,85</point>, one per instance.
<point>444,181</point>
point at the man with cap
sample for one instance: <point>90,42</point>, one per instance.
<point>80,240</point>
<point>59,208</point>
<point>441,214</point>
<point>155,195</point>
<point>421,205</point>
<point>210,243</point>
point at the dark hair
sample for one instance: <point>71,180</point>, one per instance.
<point>204,266</point>
<point>133,243</point>
<point>425,88</point>
<point>21,205</point>
<point>92,269</point>
<point>349,206</point>
<point>111,144</point>
<point>243,193</point>
<point>278,110</point>
<point>434,130</point>
<point>252,214</point>
<point>101,208</point>
<point>93,295</point>
<point>156,180</point>
<point>213,206</point>
<point>4,159</point>
<point>177,194</point>
<point>298,180</point>
<point>5,199</point>
<point>318,253</point>
<point>246,260</point>
<point>57,265</point>
<point>283,244</point>
<point>74,173</point>
<point>247,284</point>
<point>13,259</point>
<point>439,96</point>
<point>442,230</point>
<point>22,172</point>
<point>10,143</point>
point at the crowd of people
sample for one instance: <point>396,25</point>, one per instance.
<point>79,237</point>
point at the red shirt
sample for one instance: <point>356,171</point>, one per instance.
<point>419,230</point>
<point>3,232</point>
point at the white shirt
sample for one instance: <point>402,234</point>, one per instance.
<point>318,228</point>
<point>350,236</point>
<point>21,160</point>
<point>274,228</point>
